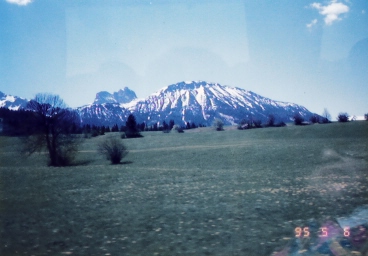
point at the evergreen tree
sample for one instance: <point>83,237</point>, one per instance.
<point>88,128</point>
<point>188,125</point>
<point>131,127</point>
<point>165,126</point>
<point>115,128</point>
<point>143,126</point>
<point>271,120</point>
<point>102,130</point>
<point>131,123</point>
<point>171,124</point>
<point>298,119</point>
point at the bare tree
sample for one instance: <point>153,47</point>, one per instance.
<point>218,124</point>
<point>177,128</point>
<point>314,119</point>
<point>343,117</point>
<point>113,149</point>
<point>52,124</point>
<point>298,119</point>
<point>271,120</point>
<point>257,123</point>
<point>326,116</point>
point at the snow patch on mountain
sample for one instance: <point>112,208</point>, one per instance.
<point>188,101</point>
<point>12,102</point>
<point>201,102</point>
<point>131,105</point>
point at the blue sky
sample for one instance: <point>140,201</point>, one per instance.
<point>313,53</point>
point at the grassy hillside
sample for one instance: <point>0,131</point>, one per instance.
<point>199,193</point>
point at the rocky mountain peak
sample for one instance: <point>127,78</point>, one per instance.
<point>122,96</point>
<point>125,96</point>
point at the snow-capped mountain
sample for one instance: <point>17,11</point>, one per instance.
<point>107,108</point>
<point>195,101</point>
<point>12,102</point>
<point>122,96</point>
<point>103,114</point>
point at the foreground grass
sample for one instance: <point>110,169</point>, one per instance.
<point>198,193</point>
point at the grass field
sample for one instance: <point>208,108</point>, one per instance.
<point>198,193</point>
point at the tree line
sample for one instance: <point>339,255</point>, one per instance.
<point>47,123</point>
<point>20,123</point>
<point>297,118</point>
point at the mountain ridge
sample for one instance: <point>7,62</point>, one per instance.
<point>199,102</point>
<point>196,102</point>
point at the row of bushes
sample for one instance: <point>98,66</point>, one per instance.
<point>298,120</point>
<point>114,150</point>
<point>175,128</point>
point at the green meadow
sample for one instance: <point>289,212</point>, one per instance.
<point>203,192</point>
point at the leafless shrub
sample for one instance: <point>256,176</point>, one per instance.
<point>177,128</point>
<point>298,119</point>
<point>257,123</point>
<point>343,117</point>
<point>314,119</point>
<point>270,121</point>
<point>326,117</point>
<point>113,149</point>
<point>218,124</point>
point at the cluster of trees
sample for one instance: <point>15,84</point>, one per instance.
<point>344,117</point>
<point>115,151</point>
<point>15,123</point>
<point>192,125</point>
<point>255,123</point>
<point>47,124</point>
<point>139,127</point>
<point>251,123</point>
<point>271,121</point>
<point>130,127</point>
<point>167,127</point>
<point>93,131</point>
<point>324,119</point>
